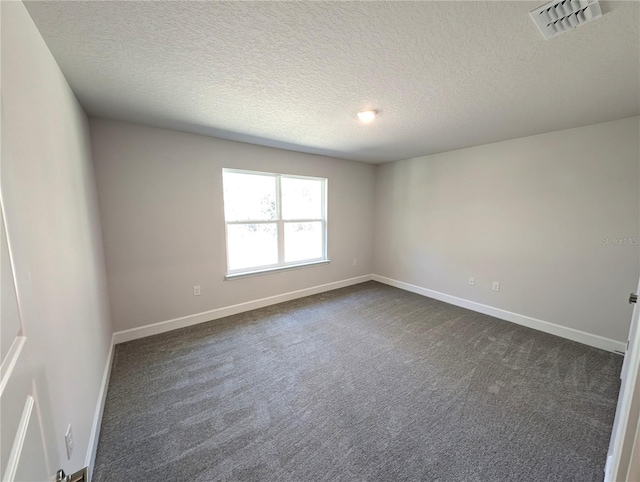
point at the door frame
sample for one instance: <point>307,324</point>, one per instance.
<point>625,427</point>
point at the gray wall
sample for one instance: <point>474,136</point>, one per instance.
<point>160,197</point>
<point>53,229</point>
<point>530,213</point>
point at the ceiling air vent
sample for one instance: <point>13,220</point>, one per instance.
<point>558,17</point>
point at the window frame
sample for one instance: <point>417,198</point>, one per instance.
<point>280,224</point>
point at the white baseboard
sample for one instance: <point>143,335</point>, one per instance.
<point>97,417</point>
<point>558,330</point>
<point>184,321</point>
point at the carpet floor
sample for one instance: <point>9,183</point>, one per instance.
<point>366,383</point>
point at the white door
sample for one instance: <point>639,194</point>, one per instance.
<point>625,424</point>
<point>22,454</point>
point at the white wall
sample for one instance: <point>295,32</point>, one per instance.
<point>53,228</point>
<point>10,326</point>
<point>160,197</point>
<point>530,213</point>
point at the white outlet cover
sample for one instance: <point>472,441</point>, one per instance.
<point>472,280</point>
<point>196,291</point>
<point>495,286</point>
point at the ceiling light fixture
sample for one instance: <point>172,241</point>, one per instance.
<point>367,115</point>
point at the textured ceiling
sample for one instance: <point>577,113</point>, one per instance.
<point>444,75</point>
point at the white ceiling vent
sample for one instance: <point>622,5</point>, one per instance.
<point>561,16</point>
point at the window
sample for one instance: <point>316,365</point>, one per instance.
<point>273,221</point>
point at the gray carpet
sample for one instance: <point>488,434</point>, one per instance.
<point>366,383</point>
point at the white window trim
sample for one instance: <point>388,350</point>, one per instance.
<point>260,272</point>
<point>280,224</point>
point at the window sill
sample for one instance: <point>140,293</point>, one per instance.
<point>260,272</point>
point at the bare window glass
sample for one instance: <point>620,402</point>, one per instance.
<point>273,220</point>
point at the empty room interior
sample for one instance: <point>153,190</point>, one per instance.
<point>320,241</point>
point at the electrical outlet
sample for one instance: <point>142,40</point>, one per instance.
<point>496,286</point>
<point>355,261</point>
<point>196,291</point>
<point>68,441</point>
<point>472,280</point>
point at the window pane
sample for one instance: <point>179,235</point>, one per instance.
<point>249,197</point>
<point>252,245</point>
<point>302,241</point>
<point>301,198</point>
